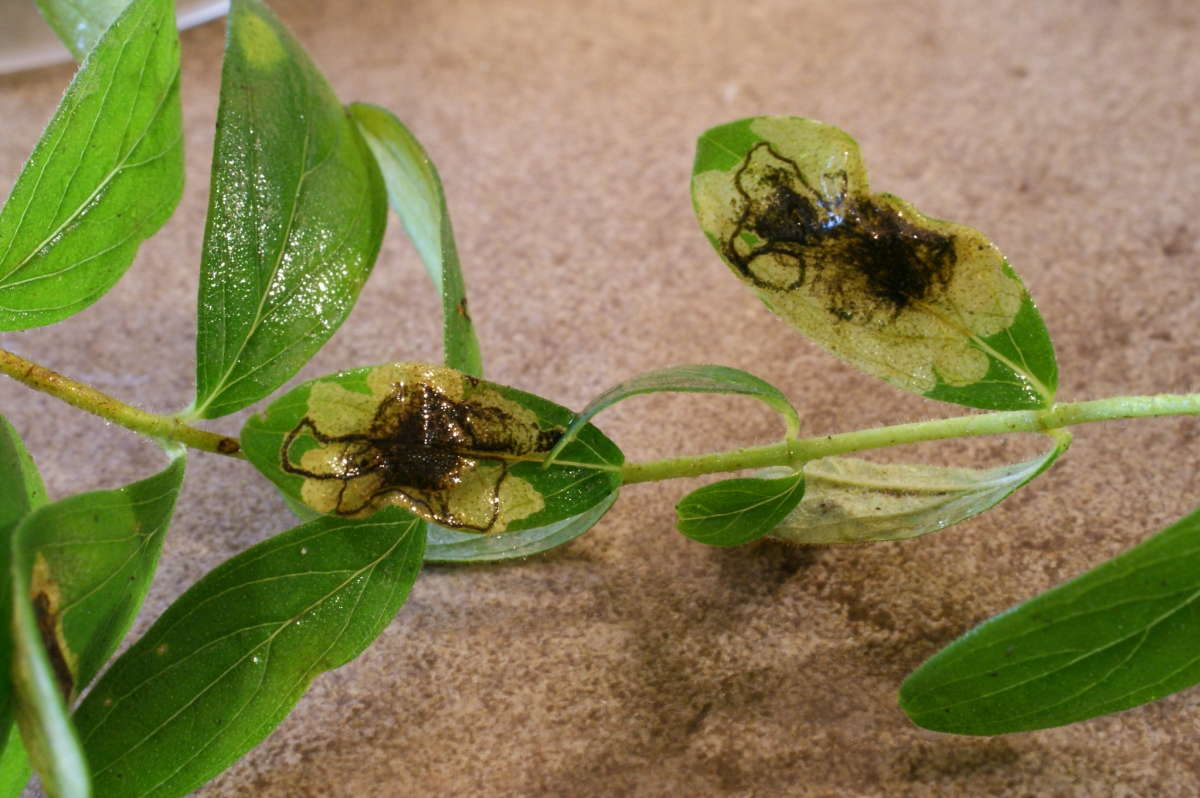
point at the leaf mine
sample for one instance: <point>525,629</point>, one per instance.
<point>902,296</point>
<point>429,439</point>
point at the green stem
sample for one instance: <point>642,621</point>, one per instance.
<point>792,452</point>
<point>797,452</point>
<point>87,398</point>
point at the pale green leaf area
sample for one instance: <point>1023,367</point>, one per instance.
<point>81,568</point>
<point>296,216</point>
<point>460,452</point>
<point>80,23</point>
<point>21,488</point>
<point>1118,636</point>
<point>928,305</point>
<point>690,378</point>
<point>416,194</point>
<point>450,545</point>
<point>14,765</point>
<point>21,492</point>
<point>106,174</point>
<point>228,660</point>
<point>736,511</point>
<point>856,501</point>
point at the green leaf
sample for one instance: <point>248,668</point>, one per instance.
<point>295,218</point>
<point>88,561</point>
<point>21,488</point>
<point>855,501</point>
<point>228,660</point>
<point>80,25</point>
<point>736,511</point>
<point>928,305</point>
<point>21,492</point>
<point>80,570</point>
<point>692,378</point>
<point>449,545</point>
<point>105,175</point>
<point>14,765</point>
<point>1118,636</point>
<point>416,194</point>
<point>458,451</point>
<point>46,730</point>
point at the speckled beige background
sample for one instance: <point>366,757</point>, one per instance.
<point>635,662</point>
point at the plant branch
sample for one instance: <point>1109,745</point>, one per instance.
<point>797,452</point>
<point>792,452</point>
<point>87,398</point>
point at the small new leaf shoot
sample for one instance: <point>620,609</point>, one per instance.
<point>736,511</point>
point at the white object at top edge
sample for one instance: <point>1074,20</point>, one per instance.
<point>26,41</point>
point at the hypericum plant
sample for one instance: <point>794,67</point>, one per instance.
<point>395,464</point>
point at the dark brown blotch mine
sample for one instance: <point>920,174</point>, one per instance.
<point>421,444</point>
<point>858,255</point>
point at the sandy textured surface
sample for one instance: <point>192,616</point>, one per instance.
<point>634,662</point>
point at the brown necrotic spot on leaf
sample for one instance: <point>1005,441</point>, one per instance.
<point>428,439</point>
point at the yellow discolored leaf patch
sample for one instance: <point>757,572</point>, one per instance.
<point>902,296</point>
<point>429,439</point>
<point>259,41</point>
